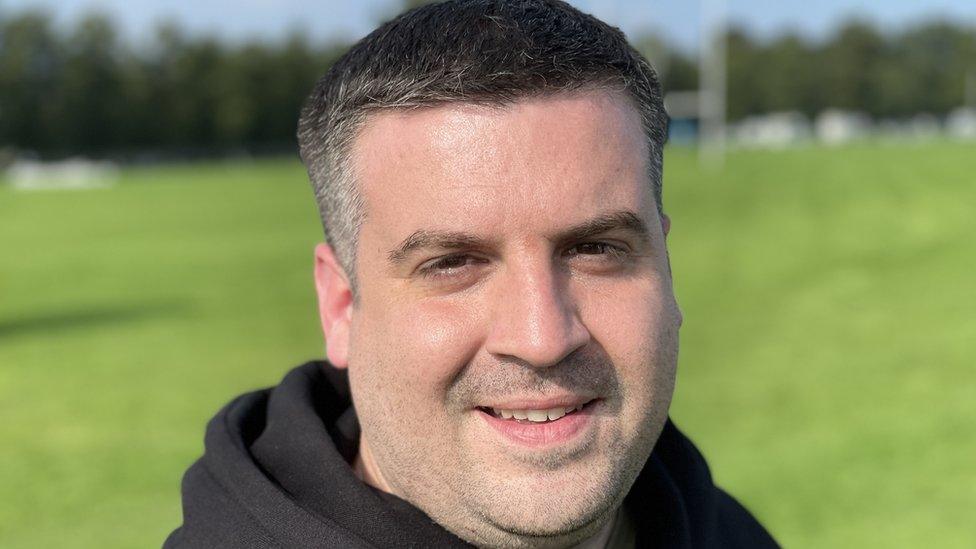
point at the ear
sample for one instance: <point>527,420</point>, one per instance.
<point>666,228</point>
<point>335,304</point>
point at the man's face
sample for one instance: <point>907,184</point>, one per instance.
<point>511,264</point>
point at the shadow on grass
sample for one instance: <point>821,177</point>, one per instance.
<point>51,323</point>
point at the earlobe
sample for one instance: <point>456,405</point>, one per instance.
<point>665,224</point>
<point>335,304</point>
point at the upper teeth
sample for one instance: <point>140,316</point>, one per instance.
<point>537,415</point>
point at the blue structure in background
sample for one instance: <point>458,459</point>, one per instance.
<point>683,131</point>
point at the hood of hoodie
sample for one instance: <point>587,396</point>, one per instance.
<point>275,473</point>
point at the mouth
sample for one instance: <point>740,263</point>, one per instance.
<point>542,425</point>
<point>529,416</point>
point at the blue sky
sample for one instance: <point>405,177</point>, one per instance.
<point>677,20</point>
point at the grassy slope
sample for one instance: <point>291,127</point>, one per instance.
<point>826,354</point>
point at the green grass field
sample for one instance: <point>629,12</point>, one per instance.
<point>826,371</point>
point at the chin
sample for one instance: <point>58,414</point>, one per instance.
<point>549,509</point>
<point>543,528</point>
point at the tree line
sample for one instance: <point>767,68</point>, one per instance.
<point>86,91</point>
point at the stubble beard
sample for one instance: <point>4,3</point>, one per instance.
<point>514,515</point>
<point>487,507</point>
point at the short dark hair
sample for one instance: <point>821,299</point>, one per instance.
<point>493,52</point>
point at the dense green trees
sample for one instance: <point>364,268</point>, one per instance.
<point>921,69</point>
<point>86,91</point>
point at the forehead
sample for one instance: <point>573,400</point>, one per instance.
<point>481,167</point>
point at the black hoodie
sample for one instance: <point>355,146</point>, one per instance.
<point>275,473</point>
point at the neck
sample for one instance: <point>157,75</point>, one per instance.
<point>601,538</point>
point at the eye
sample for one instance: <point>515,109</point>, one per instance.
<point>448,265</point>
<point>596,249</point>
<point>599,257</point>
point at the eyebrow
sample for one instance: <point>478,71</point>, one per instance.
<point>625,220</point>
<point>448,240</point>
<point>454,240</point>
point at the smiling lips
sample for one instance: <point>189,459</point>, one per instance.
<point>541,425</point>
<point>536,415</point>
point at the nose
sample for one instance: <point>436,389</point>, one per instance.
<point>536,320</point>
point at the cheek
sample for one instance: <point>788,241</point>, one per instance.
<point>417,349</point>
<point>445,328</point>
<point>638,332</point>
<point>627,312</point>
